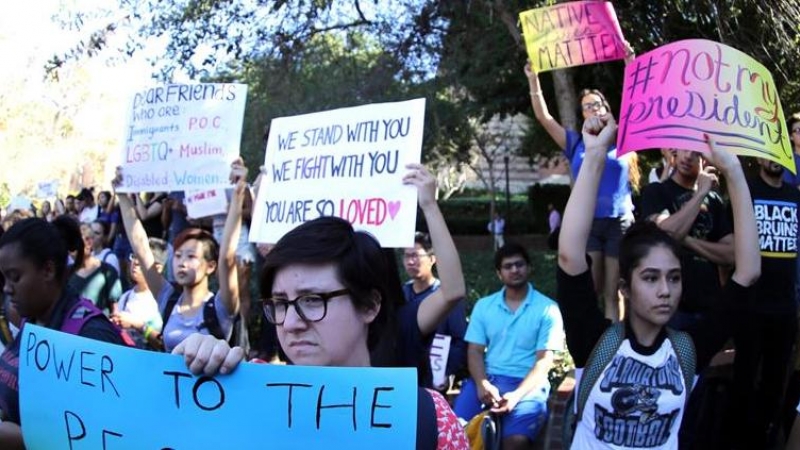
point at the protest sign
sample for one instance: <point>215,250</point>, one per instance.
<point>19,202</point>
<point>347,163</point>
<point>675,94</point>
<point>80,393</point>
<point>572,34</point>
<point>181,137</point>
<point>440,352</point>
<point>47,189</point>
<point>205,203</point>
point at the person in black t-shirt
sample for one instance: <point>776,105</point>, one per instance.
<point>764,337</point>
<point>33,260</point>
<point>687,207</point>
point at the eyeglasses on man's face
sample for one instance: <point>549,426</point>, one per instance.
<point>414,256</point>
<point>310,307</point>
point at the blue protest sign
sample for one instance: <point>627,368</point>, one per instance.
<point>78,393</point>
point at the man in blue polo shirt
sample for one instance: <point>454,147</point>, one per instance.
<point>511,338</point>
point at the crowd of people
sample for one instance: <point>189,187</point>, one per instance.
<point>645,298</point>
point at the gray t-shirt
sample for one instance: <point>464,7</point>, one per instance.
<point>178,327</point>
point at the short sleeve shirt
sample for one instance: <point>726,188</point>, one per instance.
<point>513,338</point>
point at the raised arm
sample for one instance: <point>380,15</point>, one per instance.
<point>598,134</point>
<point>747,255</point>
<point>138,238</point>
<point>540,111</point>
<point>679,223</point>
<point>452,288</point>
<point>228,276</point>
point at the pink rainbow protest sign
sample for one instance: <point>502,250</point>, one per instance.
<point>675,94</point>
<point>572,34</point>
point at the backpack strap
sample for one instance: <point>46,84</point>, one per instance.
<point>110,276</point>
<point>602,354</point>
<point>210,319</point>
<point>76,317</point>
<point>427,422</point>
<point>687,356</point>
<point>81,313</point>
<point>171,302</point>
<point>123,301</point>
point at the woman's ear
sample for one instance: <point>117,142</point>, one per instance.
<point>370,312</point>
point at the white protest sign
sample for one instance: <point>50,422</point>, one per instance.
<point>47,189</point>
<point>182,137</point>
<point>205,203</point>
<point>440,352</point>
<point>347,163</point>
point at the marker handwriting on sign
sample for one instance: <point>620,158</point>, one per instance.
<point>314,167</point>
<point>90,369</point>
<point>714,91</point>
<point>363,211</point>
<point>572,34</point>
<point>365,131</point>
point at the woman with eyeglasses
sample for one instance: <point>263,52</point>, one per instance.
<point>613,212</point>
<point>196,258</point>
<point>336,299</point>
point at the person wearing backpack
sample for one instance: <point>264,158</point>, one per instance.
<point>189,306</point>
<point>33,260</point>
<point>94,278</point>
<point>633,379</point>
<point>137,310</point>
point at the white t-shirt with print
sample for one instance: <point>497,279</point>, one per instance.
<point>638,402</point>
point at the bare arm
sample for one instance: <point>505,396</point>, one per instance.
<point>747,255</point>
<point>537,376</point>
<point>228,276</point>
<point>148,212</point>
<point>487,393</point>
<point>138,239</point>
<point>540,111</point>
<point>11,436</point>
<point>452,289</point>
<point>720,252</point>
<point>598,133</point>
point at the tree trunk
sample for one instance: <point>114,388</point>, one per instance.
<point>566,98</point>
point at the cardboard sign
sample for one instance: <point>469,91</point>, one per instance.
<point>47,189</point>
<point>440,352</point>
<point>79,393</point>
<point>347,163</point>
<point>675,94</point>
<point>572,34</point>
<point>205,203</point>
<point>182,137</point>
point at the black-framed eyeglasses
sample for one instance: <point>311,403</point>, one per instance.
<point>310,307</point>
<point>591,106</point>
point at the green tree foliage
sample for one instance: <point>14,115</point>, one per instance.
<point>465,56</point>
<point>332,71</point>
